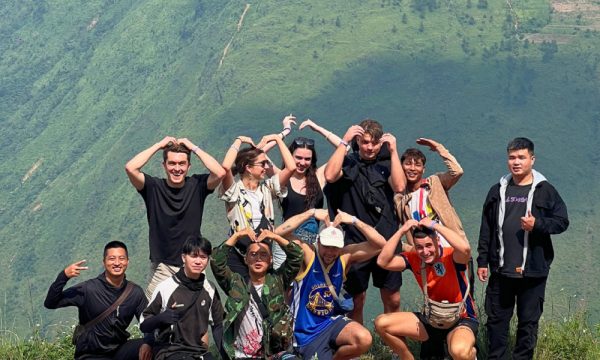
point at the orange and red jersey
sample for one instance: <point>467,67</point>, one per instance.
<point>446,280</point>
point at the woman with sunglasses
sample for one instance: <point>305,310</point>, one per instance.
<point>249,199</point>
<point>305,186</point>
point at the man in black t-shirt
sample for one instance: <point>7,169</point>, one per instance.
<point>363,184</point>
<point>519,215</point>
<point>174,205</point>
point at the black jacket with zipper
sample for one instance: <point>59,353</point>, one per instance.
<point>551,217</point>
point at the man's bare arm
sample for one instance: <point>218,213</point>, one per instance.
<point>133,168</point>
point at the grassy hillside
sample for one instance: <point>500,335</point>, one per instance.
<point>88,84</point>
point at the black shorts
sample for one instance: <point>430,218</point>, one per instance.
<point>357,279</point>
<point>441,334</point>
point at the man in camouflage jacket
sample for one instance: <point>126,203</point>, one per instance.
<point>277,328</point>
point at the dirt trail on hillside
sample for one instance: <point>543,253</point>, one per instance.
<point>32,170</point>
<point>239,27</point>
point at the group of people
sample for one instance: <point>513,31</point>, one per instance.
<point>298,290</point>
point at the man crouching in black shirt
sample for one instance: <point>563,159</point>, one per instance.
<point>182,307</point>
<point>104,335</point>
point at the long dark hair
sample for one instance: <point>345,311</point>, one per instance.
<point>312,182</point>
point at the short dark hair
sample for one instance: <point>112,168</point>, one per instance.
<point>177,148</point>
<point>193,245</point>
<point>422,232</point>
<point>412,153</point>
<point>244,158</point>
<point>520,143</point>
<point>115,244</point>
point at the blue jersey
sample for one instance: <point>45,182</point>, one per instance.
<point>312,302</point>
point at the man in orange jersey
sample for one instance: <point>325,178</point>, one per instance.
<point>444,269</point>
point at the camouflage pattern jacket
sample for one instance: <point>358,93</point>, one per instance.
<point>277,328</point>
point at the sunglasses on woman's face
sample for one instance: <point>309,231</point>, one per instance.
<point>263,164</point>
<point>304,142</point>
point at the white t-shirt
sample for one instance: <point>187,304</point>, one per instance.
<point>249,331</point>
<point>255,199</point>
<point>420,207</point>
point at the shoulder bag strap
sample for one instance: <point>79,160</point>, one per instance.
<point>468,270</point>
<point>327,279</point>
<point>111,308</point>
<point>424,283</point>
<point>261,306</point>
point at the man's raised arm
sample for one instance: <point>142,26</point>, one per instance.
<point>397,178</point>
<point>462,249</point>
<point>133,168</point>
<point>217,173</point>
<point>450,177</point>
<point>387,259</point>
<point>365,250</point>
<point>293,222</point>
<point>333,170</point>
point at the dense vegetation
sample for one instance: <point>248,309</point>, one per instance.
<point>88,84</point>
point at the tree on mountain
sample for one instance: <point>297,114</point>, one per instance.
<point>548,49</point>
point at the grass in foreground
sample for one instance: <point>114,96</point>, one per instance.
<point>569,339</point>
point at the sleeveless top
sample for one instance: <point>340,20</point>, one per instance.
<point>312,302</point>
<point>295,204</point>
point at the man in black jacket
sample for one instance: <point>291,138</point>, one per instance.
<point>519,215</point>
<point>183,306</point>
<point>107,339</point>
<point>363,184</point>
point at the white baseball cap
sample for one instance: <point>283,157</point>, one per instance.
<point>332,236</point>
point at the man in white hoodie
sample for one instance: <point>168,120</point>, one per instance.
<point>519,215</point>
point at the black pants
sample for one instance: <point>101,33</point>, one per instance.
<point>500,297</point>
<point>128,351</point>
<point>187,356</point>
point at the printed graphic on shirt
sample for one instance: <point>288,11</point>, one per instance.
<point>320,300</point>
<point>439,268</point>
<point>250,344</point>
<point>420,206</point>
<point>516,199</point>
<point>513,235</point>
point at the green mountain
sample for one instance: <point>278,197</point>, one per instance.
<point>88,84</point>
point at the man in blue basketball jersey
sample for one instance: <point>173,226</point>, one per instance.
<point>319,305</point>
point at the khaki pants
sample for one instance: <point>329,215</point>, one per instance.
<point>160,272</point>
